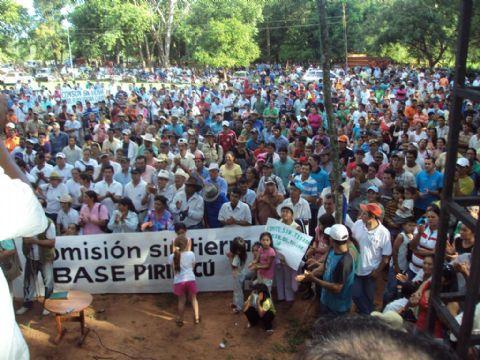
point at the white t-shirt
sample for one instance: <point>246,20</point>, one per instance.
<point>408,204</point>
<point>52,196</point>
<point>373,245</point>
<point>102,187</point>
<point>67,219</point>
<point>187,263</point>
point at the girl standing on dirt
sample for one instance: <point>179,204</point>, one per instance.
<point>264,263</point>
<point>184,284</point>
<point>238,257</point>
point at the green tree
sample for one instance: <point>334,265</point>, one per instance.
<point>50,41</point>
<point>14,24</point>
<point>228,43</point>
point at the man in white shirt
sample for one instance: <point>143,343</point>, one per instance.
<point>301,207</point>
<point>375,249</point>
<point>104,162</point>
<point>188,206</point>
<point>129,147</point>
<point>62,168</point>
<point>184,159</point>
<point>328,207</point>
<point>136,190</point>
<point>217,107</point>
<point>109,191</point>
<point>72,125</point>
<point>111,143</point>
<point>67,215</point>
<point>235,212</point>
<point>86,161</point>
<point>72,152</point>
<point>41,172</point>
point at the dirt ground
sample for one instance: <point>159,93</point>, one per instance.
<point>143,326</point>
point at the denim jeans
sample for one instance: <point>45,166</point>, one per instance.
<point>363,293</point>
<point>391,291</point>
<point>32,268</point>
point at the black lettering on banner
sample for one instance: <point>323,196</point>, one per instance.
<point>130,250</point>
<point>195,270</point>
<point>223,243</point>
<point>61,275</point>
<point>82,273</point>
<point>157,272</point>
<point>96,253</point>
<point>100,276</point>
<point>117,271</point>
<point>71,253</point>
<point>106,250</point>
<point>85,250</point>
<point>117,251</point>
<point>155,250</point>
<point>209,268</point>
<point>211,248</point>
<point>138,270</point>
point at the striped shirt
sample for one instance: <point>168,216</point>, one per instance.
<point>309,186</point>
<point>427,242</point>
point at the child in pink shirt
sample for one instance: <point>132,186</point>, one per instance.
<point>264,263</point>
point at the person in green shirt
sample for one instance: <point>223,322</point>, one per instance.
<point>259,308</point>
<point>284,167</point>
<point>271,112</point>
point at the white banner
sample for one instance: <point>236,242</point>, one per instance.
<point>93,95</point>
<point>292,244</point>
<point>138,262</point>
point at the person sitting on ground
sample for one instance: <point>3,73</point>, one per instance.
<point>259,308</point>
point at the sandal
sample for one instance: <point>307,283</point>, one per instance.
<point>179,322</point>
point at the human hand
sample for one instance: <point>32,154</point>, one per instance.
<point>421,228</point>
<point>178,204</point>
<point>401,277</point>
<point>308,276</point>
<point>146,225</point>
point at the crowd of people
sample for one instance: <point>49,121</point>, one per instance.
<point>239,152</point>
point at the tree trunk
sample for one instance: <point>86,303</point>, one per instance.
<point>148,54</point>
<point>140,53</point>
<point>269,48</point>
<point>168,33</point>
<point>327,86</point>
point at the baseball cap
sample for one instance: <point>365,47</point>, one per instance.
<point>269,180</point>
<point>343,138</point>
<point>213,166</point>
<point>337,232</point>
<point>225,123</point>
<point>182,141</point>
<point>61,155</point>
<point>126,132</point>
<point>10,125</point>
<point>463,162</point>
<point>373,188</point>
<point>372,208</point>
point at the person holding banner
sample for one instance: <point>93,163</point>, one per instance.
<point>124,219</point>
<point>284,274</point>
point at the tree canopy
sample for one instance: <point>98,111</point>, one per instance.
<point>232,33</point>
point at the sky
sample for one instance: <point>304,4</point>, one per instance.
<point>28,4</point>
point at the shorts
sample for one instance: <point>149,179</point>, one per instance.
<point>185,288</point>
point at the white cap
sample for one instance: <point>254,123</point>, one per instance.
<point>126,132</point>
<point>182,141</point>
<point>225,123</point>
<point>163,174</point>
<point>213,166</point>
<point>463,162</point>
<point>337,232</point>
<point>10,125</point>
<point>61,155</point>
<point>180,172</point>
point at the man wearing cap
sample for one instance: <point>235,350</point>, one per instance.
<point>58,139</point>
<point>108,190</point>
<point>129,147</point>
<point>163,188</point>
<point>184,159</point>
<point>73,125</point>
<point>375,248</point>
<point>215,179</point>
<point>370,155</point>
<point>345,153</point>
<point>187,205</point>
<point>62,168</point>
<point>337,275</point>
<point>235,212</point>
<point>148,143</point>
<point>463,185</point>
<point>28,154</point>
<point>34,125</point>
<point>136,190</point>
<point>67,216</point>
<point>227,137</point>
<point>301,207</point>
<point>265,205</point>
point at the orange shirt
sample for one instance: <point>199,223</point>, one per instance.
<point>12,142</point>
<point>12,118</point>
<point>410,113</point>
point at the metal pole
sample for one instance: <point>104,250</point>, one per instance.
<point>344,5</point>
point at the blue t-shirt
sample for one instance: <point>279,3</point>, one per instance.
<point>426,181</point>
<point>284,169</point>
<point>7,245</point>
<point>339,269</point>
<point>212,209</point>
<point>321,177</point>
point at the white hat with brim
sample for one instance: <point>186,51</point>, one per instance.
<point>180,172</point>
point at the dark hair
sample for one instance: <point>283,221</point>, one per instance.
<point>434,208</point>
<point>326,220</point>
<point>108,167</point>
<point>179,245</point>
<point>390,172</point>
<point>179,226</point>
<point>86,177</point>
<point>266,233</point>
<point>236,191</point>
<point>238,247</point>
<point>256,245</point>
<point>400,189</point>
<point>162,199</point>
<point>92,194</point>
<point>141,157</point>
<point>262,288</point>
<point>128,203</point>
<point>364,167</point>
<point>358,337</point>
